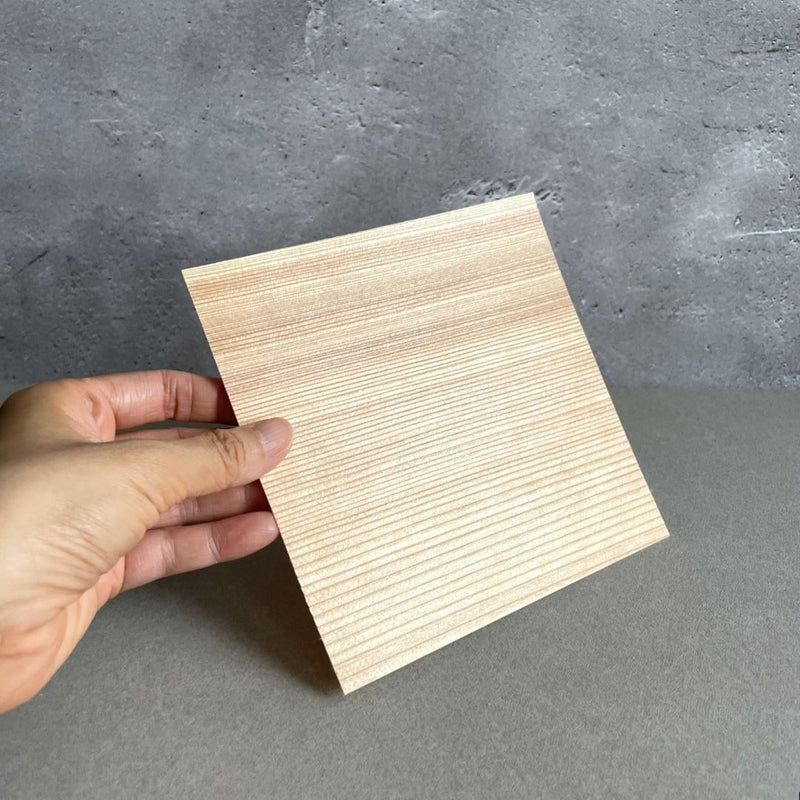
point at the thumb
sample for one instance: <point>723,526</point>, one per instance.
<point>209,462</point>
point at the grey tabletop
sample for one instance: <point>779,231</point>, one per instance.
<point>673,673</point>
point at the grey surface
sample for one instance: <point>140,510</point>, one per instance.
<point>672,674</point>
<point>662,139</point>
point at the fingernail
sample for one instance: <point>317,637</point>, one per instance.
<point>275,435</point>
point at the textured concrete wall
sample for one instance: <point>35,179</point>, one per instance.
<point>662,138</point>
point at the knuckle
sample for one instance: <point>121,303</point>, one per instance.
<point>177,388</point>
<point>145,475</point>
<point>214,542</point>
<point>16,401</point>
<point>231,450</point>
<point>191,510</point>
<point>169,556</point>
<point>49,392</point>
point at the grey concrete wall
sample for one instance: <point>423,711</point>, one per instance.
<point>661,138</point>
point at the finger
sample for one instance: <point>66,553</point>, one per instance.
<point>160,434</point>
<point>95,408</point>
<point>168,551</point>
<point>166,472</point>
<point>138,398</point>
<point>227,503</point>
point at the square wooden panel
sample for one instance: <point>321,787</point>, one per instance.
<point>456,454</point>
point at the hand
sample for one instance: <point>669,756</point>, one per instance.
<point>87,511</point>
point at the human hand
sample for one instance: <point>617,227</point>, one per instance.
<point>87,512</point>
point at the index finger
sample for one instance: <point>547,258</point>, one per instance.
<point>97,408</point>
<point>139,398</point>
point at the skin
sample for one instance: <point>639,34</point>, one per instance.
<point>88,510</point>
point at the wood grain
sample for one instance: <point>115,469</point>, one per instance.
<point>456,454</point>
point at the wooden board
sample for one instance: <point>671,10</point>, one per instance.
<point>456,454</point>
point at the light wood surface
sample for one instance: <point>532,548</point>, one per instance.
<point>456,454</point>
